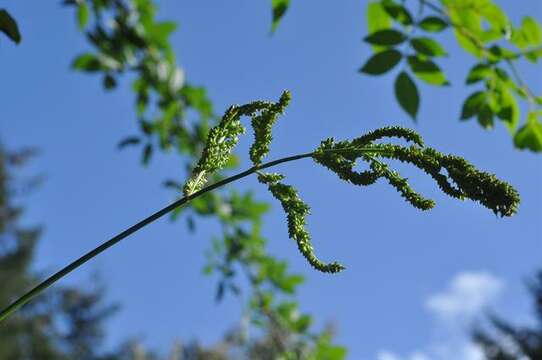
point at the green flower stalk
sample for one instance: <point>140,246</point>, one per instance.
<point>454,175</point>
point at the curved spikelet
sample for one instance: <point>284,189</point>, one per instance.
<point>341,159</point>
<point>402,186</point>
<point>262,125</point>
<point>296,212</point>
<point>461,179</point>
<point>469,182</point>
<point>216,153</point>
<point>223,137</point>
<point>389,131</point>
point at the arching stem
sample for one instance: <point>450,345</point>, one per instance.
<point>132,229</point>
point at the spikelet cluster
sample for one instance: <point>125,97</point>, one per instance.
<point>217,151</point>
<point>454,175</point>
<point>296,212</point>
<point>262,125</point>
<point>224,137</point>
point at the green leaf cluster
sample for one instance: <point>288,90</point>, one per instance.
<point>127,39</point>
<point>482,29</point>
<point>391,33</point>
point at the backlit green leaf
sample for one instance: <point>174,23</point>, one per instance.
<point>87,62</point>
<point>530,135</point>
<point>433,24</point>
<point>485,116</point>
<point>279,8</point>
<point>427,71</point>
<point>533,55</point>
<point>398,12</point>
<point>427,46</point>
<point>509,110</point>
<point>473,104</point>
<point>377,17</point>
<point>83,14</point>
<point>529,34</point>
<point>532,30</point>
<point>479,72</point>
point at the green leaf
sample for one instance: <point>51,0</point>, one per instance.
<point>530,135</point>
<point>387,37</point>
<point>302,324</point>
<point>8,26</point>
<point>496,18</point>
<point>87,62</point>
<point>427,46</point>
<point>161,31</point>
<point>427,71</point>
<point>472,104</point>
<point>509,110</point>
<point>407,94</point>
<point>433,24</point>
<point>196,97</point>
<point>528,34</point>
<point>279,8</point>
<point>290,283</point>
<point>485,116</point>
<point>498,53</point>
<point>533,55</point>
<point>381,62</point>
<point>468,44</point>
<point>398,12</point>
<point>83,14</point>
<point>531,31</point>
<point>479,72</point>
<point>377,17</point>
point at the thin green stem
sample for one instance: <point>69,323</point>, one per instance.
<point>530,95</point>
<point>132,229</point>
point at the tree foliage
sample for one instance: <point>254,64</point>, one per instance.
<point>67,322</point>
<point>482,29</point>
<point>505,341</point>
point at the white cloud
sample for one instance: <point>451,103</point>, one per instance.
<point>463,351</point>
<point>386,355</point>
<point>419,356</point>
<point>467,294</point>
<point>465,297</point>
<point>473,352</point>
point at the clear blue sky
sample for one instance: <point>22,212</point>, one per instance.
<point>397,257</point>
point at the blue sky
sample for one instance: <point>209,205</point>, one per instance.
<point>398,259</point>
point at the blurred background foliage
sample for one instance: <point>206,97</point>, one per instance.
<point>126,42</point>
